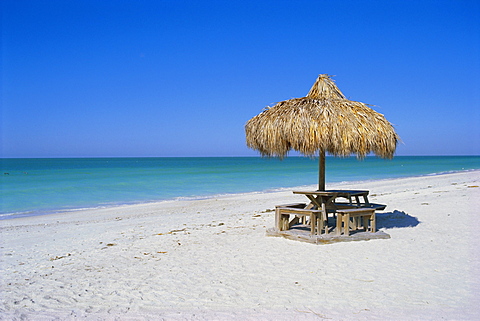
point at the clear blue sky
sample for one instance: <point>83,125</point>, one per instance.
<point>181,78</point>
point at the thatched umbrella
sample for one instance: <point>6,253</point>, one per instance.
<point>323,121</point>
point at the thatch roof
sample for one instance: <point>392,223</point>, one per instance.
<point>322,121</point>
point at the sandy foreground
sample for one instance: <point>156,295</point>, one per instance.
<point>211,260</point>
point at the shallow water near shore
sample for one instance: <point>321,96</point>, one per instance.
<point>42,186</point>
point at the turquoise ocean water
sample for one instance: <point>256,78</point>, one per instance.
<point>43,186</point>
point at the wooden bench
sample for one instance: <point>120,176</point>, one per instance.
<point>317,218</point>
<point>344,215</point>
<point>377,207</point>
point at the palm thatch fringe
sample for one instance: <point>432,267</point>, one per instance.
<point>323,121</point>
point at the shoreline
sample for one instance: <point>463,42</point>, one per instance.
<point>211,260</point>
<point>66,211</point>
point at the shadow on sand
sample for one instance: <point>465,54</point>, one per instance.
<point>395,219</point>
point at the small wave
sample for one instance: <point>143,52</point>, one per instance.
<point>6,216</point>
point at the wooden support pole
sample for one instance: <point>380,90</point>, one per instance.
<point>321,170</point>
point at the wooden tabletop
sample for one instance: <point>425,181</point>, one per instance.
<point>334,192</point>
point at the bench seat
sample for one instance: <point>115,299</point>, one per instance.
<point>377,207</point>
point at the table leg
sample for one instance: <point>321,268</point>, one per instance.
<point>278,219</point>
<point>365,198</point>
<point>320,226</point>
<point>313,221</point>
<point>346,223</point>
<point>324,219</point>
<point>338,230</point>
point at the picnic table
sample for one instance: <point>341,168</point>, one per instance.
<point>329,197</point>
<point>353,204</point>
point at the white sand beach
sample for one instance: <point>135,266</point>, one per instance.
<point>211,260</point>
